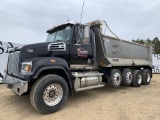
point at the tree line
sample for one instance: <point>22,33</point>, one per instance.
<point>154,42</point>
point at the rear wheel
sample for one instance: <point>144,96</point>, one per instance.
<point>115,78</point>
<point>49,94</point>
<point>137,78</point>
<point>127,77</point>
<point>146,77</point>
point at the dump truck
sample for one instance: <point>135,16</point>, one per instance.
<point>75,57</point>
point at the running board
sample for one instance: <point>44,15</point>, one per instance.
<point>90,87</point>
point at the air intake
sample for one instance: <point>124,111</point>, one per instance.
<point>59,46</point>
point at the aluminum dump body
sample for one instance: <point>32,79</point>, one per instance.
<point>112,52</point>
<point>116,49</point>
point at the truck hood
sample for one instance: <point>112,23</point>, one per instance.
<point>36,50</point>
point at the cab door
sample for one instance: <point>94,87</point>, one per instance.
<point>81,49</point>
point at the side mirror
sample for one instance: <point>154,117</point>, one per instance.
<point>86,31</point>
<point>86,35</point>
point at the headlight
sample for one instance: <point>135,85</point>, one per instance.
<point>26,67</point>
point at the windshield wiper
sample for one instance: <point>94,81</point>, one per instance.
<point>59,40</point>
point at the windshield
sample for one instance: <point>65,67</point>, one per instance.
<point>60,34</point>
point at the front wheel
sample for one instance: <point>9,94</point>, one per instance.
<point>49,94</point>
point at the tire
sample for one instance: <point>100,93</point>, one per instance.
<point>137,78</point>
<point>146,77</point>
<point>115,78</point>
<point>127,77</point>
<point>49,93</point>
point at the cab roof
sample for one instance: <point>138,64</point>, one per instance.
<point>61,25</point>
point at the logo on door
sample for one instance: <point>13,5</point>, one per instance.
<point>82,52</point>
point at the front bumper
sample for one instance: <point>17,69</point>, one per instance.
<point>18,86</point>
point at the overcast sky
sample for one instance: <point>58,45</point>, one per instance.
<point>26,21</point>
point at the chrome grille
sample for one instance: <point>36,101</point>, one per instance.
<point>13,60</point>
<point>59,46</point>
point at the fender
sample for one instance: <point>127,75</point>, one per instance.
<point>41,64</point>
<point>50,68</point>
<point>70,83</point>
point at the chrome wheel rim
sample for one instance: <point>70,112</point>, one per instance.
<point>117,78</point>
<point>53,94</point>
<point>148,77</point>
<point>139,78</point>
<point>129,77</point>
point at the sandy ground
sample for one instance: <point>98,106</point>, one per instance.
<point>125,103</point>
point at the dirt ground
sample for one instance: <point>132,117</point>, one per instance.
<point>125,103</point>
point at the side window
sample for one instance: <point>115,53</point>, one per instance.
<point>79,36</point>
